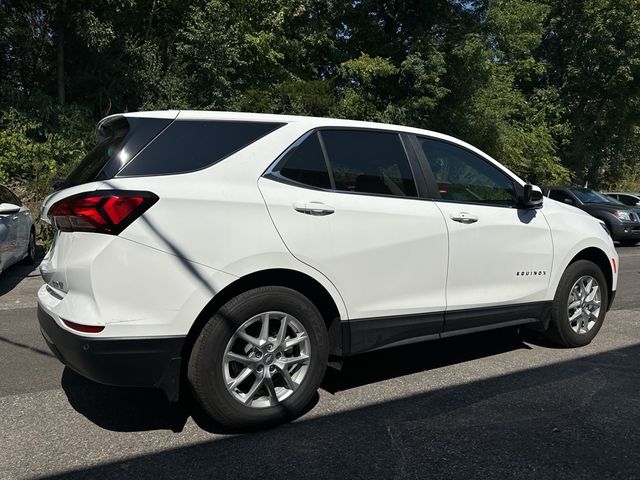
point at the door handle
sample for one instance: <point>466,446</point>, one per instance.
<point>464,217</point>
<point>317,209</point>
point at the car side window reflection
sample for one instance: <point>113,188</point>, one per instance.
<point>464,177</point>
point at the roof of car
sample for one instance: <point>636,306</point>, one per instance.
<point>271,117</point>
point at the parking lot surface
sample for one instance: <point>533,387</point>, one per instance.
<point>500,404</point>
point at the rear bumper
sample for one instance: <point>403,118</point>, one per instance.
<point>132,362</point>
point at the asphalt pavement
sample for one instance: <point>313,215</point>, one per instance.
<point>500,404</point>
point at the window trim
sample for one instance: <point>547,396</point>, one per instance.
<point>431,179</point>
<point>273,171</point>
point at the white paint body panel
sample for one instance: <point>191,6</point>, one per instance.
<point>487,256</point>
<point>375,256</point>
<point>386,256</point>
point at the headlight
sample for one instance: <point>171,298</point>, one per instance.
<point>622,216</point>
<point>606,229</point>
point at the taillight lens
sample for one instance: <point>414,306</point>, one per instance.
<point>109,211</point>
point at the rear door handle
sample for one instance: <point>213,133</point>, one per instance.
<point>317,209</point>
<point>464,217</point>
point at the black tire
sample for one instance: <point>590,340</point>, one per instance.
<point>628,243</point>
<point>205,368</point>
<point>560,330</point>
<point>30,259</point>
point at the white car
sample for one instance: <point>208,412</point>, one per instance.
<point>238,254</point>
<point>17,232</point>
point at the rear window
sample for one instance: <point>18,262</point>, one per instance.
<point>119,139</point>
<point>186,146</point>
<point>110,139</point>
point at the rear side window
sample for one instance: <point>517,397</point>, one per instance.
<point>369,162</point>
<point>188,145</point>
<point>356,161</point>
<point>305,163</point>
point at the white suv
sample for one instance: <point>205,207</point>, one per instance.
<point>237,254</point>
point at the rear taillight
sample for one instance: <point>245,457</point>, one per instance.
<point>109,211</point>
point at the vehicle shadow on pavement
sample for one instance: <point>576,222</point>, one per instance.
<point>137,409</point>
<point>399,361</point>
<point>122,409</point>
<point>12,276</point>
<point>573,419</point>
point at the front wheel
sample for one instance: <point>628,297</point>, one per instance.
<point>579,306</point>
<point>260,359</point>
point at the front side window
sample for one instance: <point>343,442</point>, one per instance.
<point>464,177</point>
<point>369,162</point>
<point>560,196</point>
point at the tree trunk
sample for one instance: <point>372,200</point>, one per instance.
<point>60,25</point>
<point>60,64</point>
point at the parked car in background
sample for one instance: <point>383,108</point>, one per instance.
<point>237,254</point>
<point>17,231</point>
<point>629,199</point>
<point>622,221</point>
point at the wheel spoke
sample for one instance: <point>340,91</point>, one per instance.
<point>294,341</point>
<point>574,304</point>
<point>282,331</point>
<point>242,376</point>
<point>294,360</point>
<point>241,358</point>
<point>248,338</point>
<point>264,331</point>
<point>576,315</point>
<point>254,388</point>
<point>592,295</point>
<point>588,286</point>
<point>287,378</point>
<point>271,389</point>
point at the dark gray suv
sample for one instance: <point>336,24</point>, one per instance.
<point>622,220</point>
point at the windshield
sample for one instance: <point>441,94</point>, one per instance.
<point>589,196</point>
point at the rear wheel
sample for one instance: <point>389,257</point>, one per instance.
<point>579,306</point>
<point>260,359</point>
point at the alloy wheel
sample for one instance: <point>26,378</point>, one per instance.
<point>583,308</point>
<point>266,359</point>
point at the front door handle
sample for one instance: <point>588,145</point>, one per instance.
<point>317,209</point>
<point>464,217</point>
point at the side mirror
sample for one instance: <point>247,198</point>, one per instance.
<point>531,196</point>
<point>8,208</point>
<point>568,201</point>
